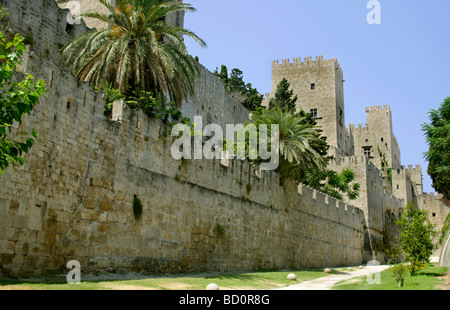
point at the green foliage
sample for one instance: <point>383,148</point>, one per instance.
<point>334,184</point>
<point>425,279</point>
<point>223,75</point>
<point>385,167</point>
<point>137,208</point>
<point>399,272</point>
<point>416,237</point>
<point>284,98</point>
<point>17,99</point>
<point>154,107</point>
<point>297,156</point>
<point>112,95</point>
<point>235,83</point>
<point>138,50</point>
<point>437,133</point>
<point>220,231</point>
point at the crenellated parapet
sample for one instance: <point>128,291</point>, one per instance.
<point>359,129</point>
<point>377,108</point>
<point>305,62</point>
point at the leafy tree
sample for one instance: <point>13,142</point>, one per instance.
<point>334,184</point>
<point>235,83</point>
<point>17,99</point>
<point>223,75</point>
<point>139,50</point>
<point>297,156</point>
<point>437,133</point>
<point>320,144</point>
<point>254,98</point>
<point>284,98</point>
<point>416,237</point>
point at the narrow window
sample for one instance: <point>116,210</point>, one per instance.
<point>434,214</point>
<point>313,85</point>
<point>69,103</point>
<point>382,139</point>
<point>313,113</point>
<point>367,140</point>
<point>367,151</point>
<point>398,186</point>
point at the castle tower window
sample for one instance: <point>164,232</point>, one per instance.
<point>313,113</point>
<point>313,85</point>
<point>382,139</point>
<point>434,214</point>
<point>367,151</point>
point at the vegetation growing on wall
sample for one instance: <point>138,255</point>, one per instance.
<point>303,151</point>
<point>385,167</point>
<point>235,83</point>
<point>139,99</point>
<point>139,50</point>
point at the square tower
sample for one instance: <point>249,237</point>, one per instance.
<point>320,90</point>
<point>377,140</point>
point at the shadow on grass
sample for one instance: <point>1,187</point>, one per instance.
<point>250,279</point>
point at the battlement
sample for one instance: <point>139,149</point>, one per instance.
<point>431,196</point>
<point>307,61</point>
<point>309,194</point>
<point>413,168</point>
<point>378,108</point>
<point>359,127</point>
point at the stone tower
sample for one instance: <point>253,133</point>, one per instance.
<point>84,6</point>
<point>320,90</point>
<point>377,138</point>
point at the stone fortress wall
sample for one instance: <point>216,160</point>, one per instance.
<point>73,198</point>
<point>369,150</point>
<point>211,100</point>
<point>88,6</point>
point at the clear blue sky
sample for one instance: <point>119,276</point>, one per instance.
<point>403,62</point>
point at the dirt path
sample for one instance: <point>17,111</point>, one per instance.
<point>326,283</point>
<point>446,283</point>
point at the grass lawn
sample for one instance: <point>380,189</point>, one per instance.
<point>431,278</point>
<point>245,281</point>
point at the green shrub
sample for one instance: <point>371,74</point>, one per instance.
<point>399,272</point>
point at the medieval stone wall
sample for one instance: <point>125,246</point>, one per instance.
<point>77,7</point>
<point>74,197</point>
<point>375,201</point>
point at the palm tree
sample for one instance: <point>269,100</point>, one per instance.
<point>138,50</point>
<point>297,155</point>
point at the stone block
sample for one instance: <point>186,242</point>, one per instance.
<point>105,205</point>
<point>89,215</point>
